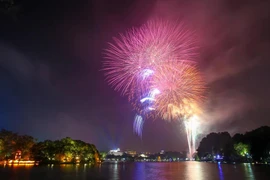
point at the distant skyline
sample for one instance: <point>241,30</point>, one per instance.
<point>52,87</point>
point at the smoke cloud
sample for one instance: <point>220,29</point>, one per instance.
<point>233,40</point>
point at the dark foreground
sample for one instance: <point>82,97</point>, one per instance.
<point>139,171</point>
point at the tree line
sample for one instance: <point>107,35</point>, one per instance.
<point>65,150</point>
<point>253,146</point>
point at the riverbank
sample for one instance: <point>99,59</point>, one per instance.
<point>19,162</point>
<point>22,162</point>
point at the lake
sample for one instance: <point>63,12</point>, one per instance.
<point>139,171</point>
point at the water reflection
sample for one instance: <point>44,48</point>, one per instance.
<point>114,171</point>
<point>50,166</point>
<point>194,171</point>
<point>84,168</point>
<point>221,177</point>
<point>77,169</point>
<point>249,171</point>
<point>139,171</point>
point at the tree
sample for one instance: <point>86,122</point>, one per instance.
<point>44,151</point>
<point>215,144</point>
<point>254,145</point>
<point>242,149</point>
<point>68,149</point>
<point>1,146</point>
<point>238,137</point>
<point>8,141</point>
<point>103,155</point>
<point>12,142</point>
<point>258,140</point>
<point>24,144</point>
<point>65,150</point>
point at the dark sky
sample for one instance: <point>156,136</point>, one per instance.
<point>52,86</point>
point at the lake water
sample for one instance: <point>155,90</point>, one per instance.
<point>139,171</point>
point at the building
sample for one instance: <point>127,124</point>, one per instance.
<point>143,155</point>
<point>115,152</point>
<point>131,153</point>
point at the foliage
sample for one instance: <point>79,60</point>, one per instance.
<point>253,145</point>
<point>65,150</point>
<point>242,149</point>
<point>11,142</point>
<point>103,155</point>
<point>215,143</point>
<point>259,140</point>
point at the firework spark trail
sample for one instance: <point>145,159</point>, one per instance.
<point>138,125</point>
<point>138,121</point>
<point>188,138</point>
<point>194,126</point>
<point>191,126</point>
<point>151,95</point>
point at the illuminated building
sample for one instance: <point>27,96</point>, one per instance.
<point>143,155</point>
<point>116,152</point>
<point>18,155</point>
<point>131,153</point>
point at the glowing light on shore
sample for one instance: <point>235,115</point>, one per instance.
<point>21,162</point>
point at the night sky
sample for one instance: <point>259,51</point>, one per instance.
<point>52,85</point>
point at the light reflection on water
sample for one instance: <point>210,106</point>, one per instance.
<point>194,169</point>
<point>114,171</point>
<point>221,177</point>
<point>249,171</point>
<point>139,171</point>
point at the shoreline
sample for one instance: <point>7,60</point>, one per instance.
<point>37,163</point>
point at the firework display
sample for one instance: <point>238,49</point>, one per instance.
<point>180,85</point>
<point>133,57</point>
<point>138,125</point>
<point>191,125</point>
<point>155,67</point>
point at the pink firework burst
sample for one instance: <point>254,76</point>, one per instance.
<point>133,57</point>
